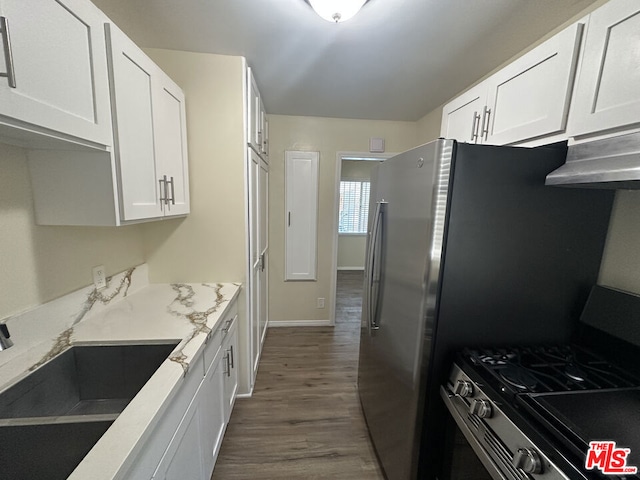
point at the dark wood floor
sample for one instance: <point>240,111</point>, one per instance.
<point>304,419</point>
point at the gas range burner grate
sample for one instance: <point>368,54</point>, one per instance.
<point>551,368</point>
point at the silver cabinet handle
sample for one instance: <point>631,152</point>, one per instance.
<point>486,115</point>
<point>226,361</point>
<point>173,192</point>
<point>289,221</point>
<point>163,191</point>
<point>228,365</point>
<point>227,326</point>
<point>262,262</point>
<point>474,127</point>
<point>231,353</point>
<point>8,56</point>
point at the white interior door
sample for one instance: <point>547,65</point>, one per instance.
<point>264,249</point>
<point>301,214</point>
<point>254,247</point>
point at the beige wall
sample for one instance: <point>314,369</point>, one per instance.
<point>208,245</point>
<point>297,300</point>
<point>428,127</point>
<point>37,263</point>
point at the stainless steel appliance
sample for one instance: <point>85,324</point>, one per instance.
<point>466,246</point>
<point>532,411</point>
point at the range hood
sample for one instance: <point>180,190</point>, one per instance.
<point>609,163</point>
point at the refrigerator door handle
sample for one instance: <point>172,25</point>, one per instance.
<point>375,231</point>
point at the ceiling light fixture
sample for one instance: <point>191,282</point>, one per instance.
<point>336,10</point>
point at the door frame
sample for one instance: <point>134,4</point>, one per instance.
<point>340,156</point>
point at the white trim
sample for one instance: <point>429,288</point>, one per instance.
<point>245,395</point>
<point>300,323</point>
<point>360,269</point>
<point>333,287</point>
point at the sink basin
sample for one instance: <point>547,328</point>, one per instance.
<point>51,418</point>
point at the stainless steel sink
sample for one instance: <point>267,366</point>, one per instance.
<point>50,419</point>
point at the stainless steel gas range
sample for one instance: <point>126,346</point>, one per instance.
<point>569,411</point>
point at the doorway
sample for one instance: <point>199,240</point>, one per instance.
<point>352,187</point>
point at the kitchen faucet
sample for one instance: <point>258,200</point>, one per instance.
<point>5,341</point>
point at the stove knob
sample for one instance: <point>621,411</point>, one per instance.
<point>528,460</point>
<point>481,408</point>
<point>463,388</point>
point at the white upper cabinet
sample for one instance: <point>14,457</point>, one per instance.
<point>149,131</point>
<point>254,117</point>
<point>527,99</point>
<point>607,93</point>
<point>54,78</point>
<point>530,97</point>
<point>461,117</point>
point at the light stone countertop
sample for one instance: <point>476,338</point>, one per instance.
<point>130,311</point>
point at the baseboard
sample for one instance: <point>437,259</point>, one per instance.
<point>245,395</point>
<point>360,269</point>
<point>299,323</point>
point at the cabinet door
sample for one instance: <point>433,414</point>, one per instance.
<point>171,143</point>
<point>461,118</point>
<point>530,97</point>
<point>264,251</point>
<point>230,348</point>
<point>254,134</point>
<point>214,412</point>
<point>58,57</point>
<point>132,90</point>
<point>608,86</point>
<point>255,254</point>
<point>184,457</point>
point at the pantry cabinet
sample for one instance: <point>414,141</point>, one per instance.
<point>527,99</point>
<point>257,161</point>
<point>149,131</point>
<point>53,82</point>
<point>607,96</point>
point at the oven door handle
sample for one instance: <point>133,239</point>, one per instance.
<point>482,454</point>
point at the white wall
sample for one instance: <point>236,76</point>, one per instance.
<point>40,263</point>
<point>291,301</point>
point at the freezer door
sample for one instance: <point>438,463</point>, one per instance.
<point>406,228</point>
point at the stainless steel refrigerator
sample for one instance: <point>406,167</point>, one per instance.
<point>466,246</point>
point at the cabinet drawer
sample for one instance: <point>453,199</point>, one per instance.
<point>218,336</point>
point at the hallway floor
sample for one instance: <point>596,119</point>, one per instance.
<point>304,419</point>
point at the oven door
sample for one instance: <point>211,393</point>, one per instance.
<point>466,456</point>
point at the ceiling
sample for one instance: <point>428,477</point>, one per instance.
<point>396,60</point>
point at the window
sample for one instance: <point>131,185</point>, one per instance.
<point>354,207</point>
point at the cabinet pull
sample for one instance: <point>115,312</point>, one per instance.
<point>163,191</point>
<point>486,115</point>
<point>228,365</point>
<point>173,192</point>
<point>289,221</point>
<point>226,361</point>
<point>231,353</point>
<point>474,126</point>
<point>8,56</point>
<point>227,326</point>
<point>262,262</point>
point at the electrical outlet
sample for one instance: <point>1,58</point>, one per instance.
<point>320,302</point>
<point>99,277</point>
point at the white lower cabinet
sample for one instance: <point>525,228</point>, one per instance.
<point>184,445</point>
